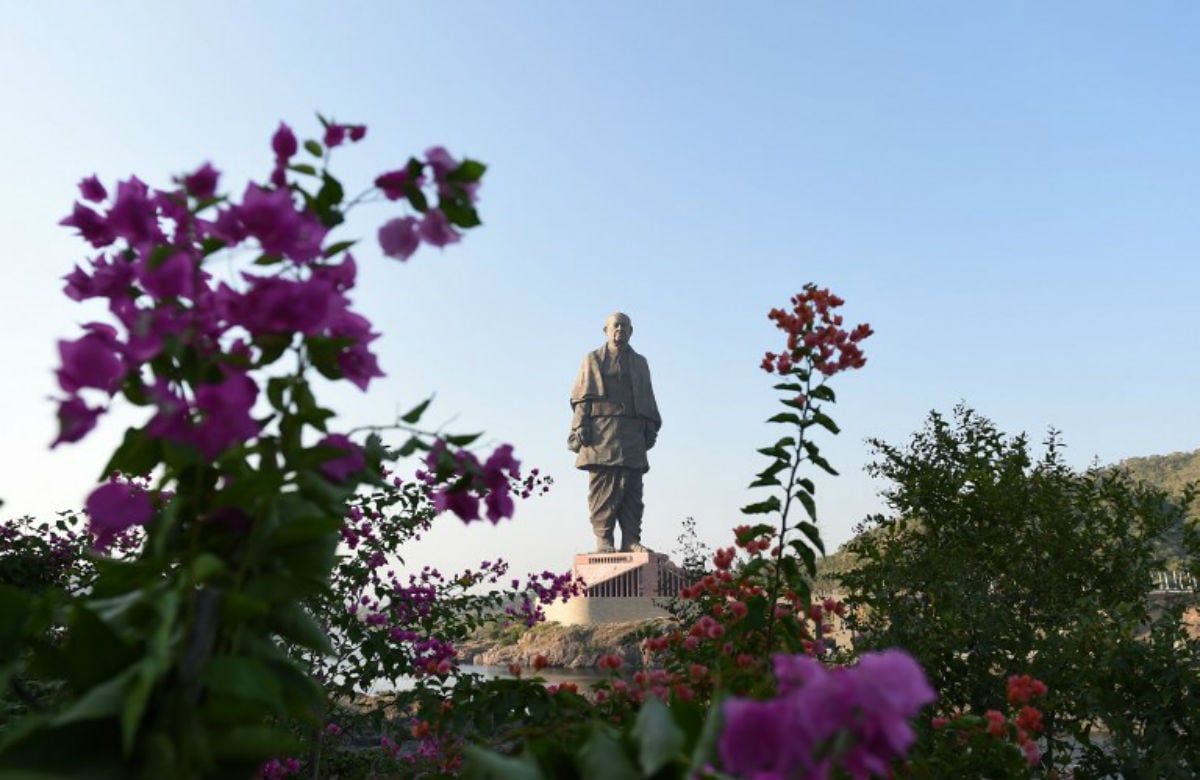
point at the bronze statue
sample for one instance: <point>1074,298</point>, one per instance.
<point>615,422</point>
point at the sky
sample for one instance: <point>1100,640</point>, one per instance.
<point>1006,192</point>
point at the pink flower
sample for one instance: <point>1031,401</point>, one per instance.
<point>277,305</point>
<point>133,215</point>
<point>398,238</point>
<point>358,132</point>
<point>393,183</point>
<point>435,229</point>
<point>340,468</point>
<point>91,361</point>
<point>335,135</point>
<point>91,226</point>
<point>114,507</point>
<point>202,184</point>
<point>283,143</point>
<point>269,216</point>
<point>75,420</point>
<point>225,414</point>
<point>91,189</point>
<point>171,278</point>
<point>460,502</point>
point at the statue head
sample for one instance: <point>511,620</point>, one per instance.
<point>618,328</point>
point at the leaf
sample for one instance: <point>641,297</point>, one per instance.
<point>462,440</point>
<point>245,678</point>
<point>467,171</point>
<point>137,454</point>
<point>702,754</point>
<point>303,168</point>
<point>101,701</point>
<point>786,417</point>
<point>823,393</point>
<point>814,455</point>
<point>254,743</point>
<point>339,247</point>
<point>807,500</point>
<point>825,422</point>
<point>791,387</point>
<point>806,484</point>
<point>767,476</point>
<point>414,414</point>
<point>602,757</point>
<point>486,765</point>
<point>294,623</point>
<point>659,739</point>
<point>762,507</point>
<point>813,534</point>
<point>313,148</point>
<point>136,699</point>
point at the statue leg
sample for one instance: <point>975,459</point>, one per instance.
<point>604,497</point>
<point>630,512</point>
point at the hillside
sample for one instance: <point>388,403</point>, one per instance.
<point>1171,473</point>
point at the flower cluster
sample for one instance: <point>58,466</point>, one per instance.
<point>191,344</point>
<point>465,477</point>
<point>815,332</point>
<point>853,717</point>
<point>544,588</point>
<point>279,768</point>
<point>1022,729</point>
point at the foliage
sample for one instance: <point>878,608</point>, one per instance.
<point>1172,473</point>
<point>172,661</point>
<point>993,563</point>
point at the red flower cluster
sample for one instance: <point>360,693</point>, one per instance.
<point>815,334</point>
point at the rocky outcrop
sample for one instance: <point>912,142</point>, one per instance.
<point>567,647</point>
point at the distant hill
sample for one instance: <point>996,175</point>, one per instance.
<point>1170,473</point>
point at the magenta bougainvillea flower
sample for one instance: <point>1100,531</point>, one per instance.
<point>91,361</point>
<point>398,238</point>
<point>202,184</point>
<point>435,229</point>
<point>115,507</point>
<point>854,717</point>
<point>343,466</point>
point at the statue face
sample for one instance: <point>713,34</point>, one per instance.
<point>619,329</point>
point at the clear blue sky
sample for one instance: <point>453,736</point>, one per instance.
<point>1007,192</point>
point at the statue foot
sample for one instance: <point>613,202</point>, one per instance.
<point>635,547</point>
<point>604,545</point>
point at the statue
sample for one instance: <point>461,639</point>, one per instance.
<point>614,422</point>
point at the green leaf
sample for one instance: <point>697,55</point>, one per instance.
<point>805,552</point>
<point>602,757</point>
<point>813,534</point>
<point>826,422</point>
<point>762,507</point>
<point>294,623</point>
<point>791,387</point>
<point>254,743</point>
<point>807,500</point>
<point>268,259</point>
<point>313,148</point>
<point>767,476</point>
<point>659,739</point>
<point>245,678</point>
<point>462,215</point>
<point>786,417</point>
<point>486,765</point>
<point>814,455</point>
<point>303,168</point>
<point>467,171</point>
<point>703,753</point>
<point>136,699</point>
<point>414,414</point>
<point>823,393</point>
<point>462,440</point>
<point>338,248</point>
<point>101,701</point>
<point>807,485</point>
<point>137,454</point>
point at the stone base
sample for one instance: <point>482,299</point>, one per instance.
<point>585,611</point>
<point>620,586</point>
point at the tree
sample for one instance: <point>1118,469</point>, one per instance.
<point>992,563</point>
